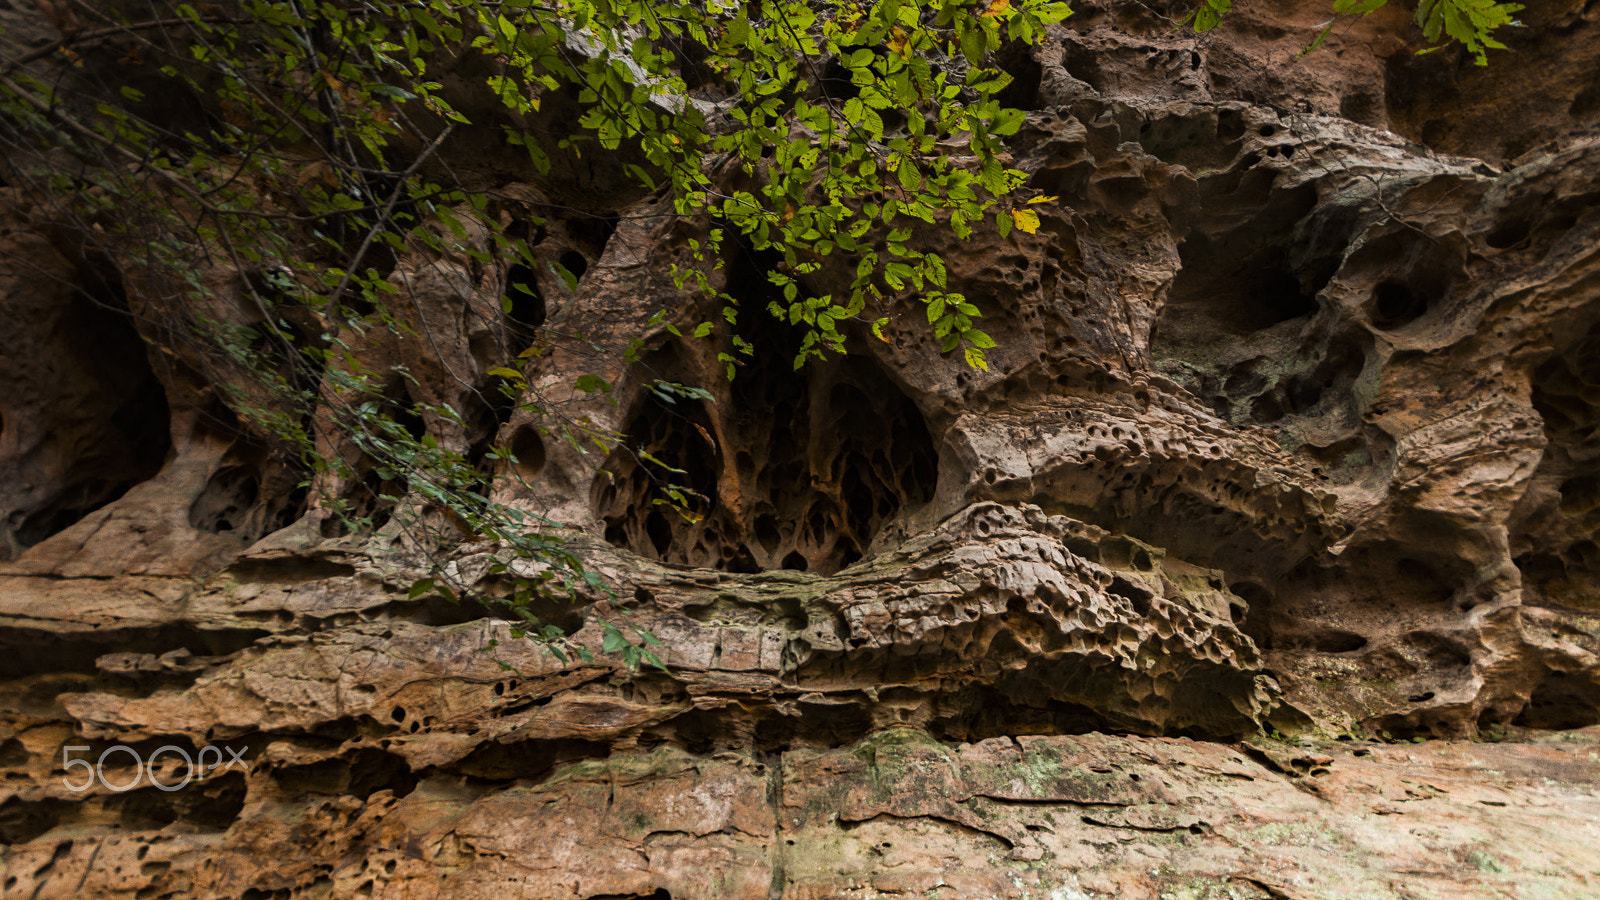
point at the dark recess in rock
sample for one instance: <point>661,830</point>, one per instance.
<point>112,429</point>
<point>789,469</point>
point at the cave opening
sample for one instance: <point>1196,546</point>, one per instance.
<point>1561,701</point>
<point>110,428</point>
<point>796,470</point>
<point>1241,280</point>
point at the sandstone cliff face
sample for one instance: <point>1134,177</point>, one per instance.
<point>1291,427</point>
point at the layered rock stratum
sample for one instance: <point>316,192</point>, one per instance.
<point>1261,563</point>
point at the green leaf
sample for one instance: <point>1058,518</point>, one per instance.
<point>1008,122</point>
<point>973,45</point>
<point>908,176</point>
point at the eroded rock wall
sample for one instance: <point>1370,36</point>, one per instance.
<point>1289,429</point>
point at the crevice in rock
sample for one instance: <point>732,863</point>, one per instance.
<point>526,760</point>
<point>26,651</point>
<point>208,806</point>
<point>361,774</point>
<point>435,611</point>
<point>992,713</point>
<point>288,570</point>
<point>657,894</point>
<point>23,820</point>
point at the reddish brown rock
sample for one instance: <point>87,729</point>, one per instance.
<point>1291,429</point>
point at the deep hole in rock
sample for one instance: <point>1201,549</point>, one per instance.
<point>1257,622</point>
<point>1509,233</point>
<point>528,447</point>
<point>487,410</point>
<point>816,462</point>
<point>1562,701</point>
<point>1586,102</point>
<point>23,820</point>
<point>112,428</point>
<point>228,496</point>
<point>526,301</point>
<point>370,497</point>
<point>1236,283</point>
<point>1016,59</point>
<point>1328,380</point>
<point>254,491</point>
<point>405,414</point>
<point>574,263</point>
<point>1395,305</point>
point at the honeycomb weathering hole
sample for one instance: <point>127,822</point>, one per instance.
<point>528,447</point>
<point>797,471</point>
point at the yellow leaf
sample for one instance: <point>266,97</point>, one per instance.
<point>996,7</point>
<point>900,42</point>
<point>1026,220</point>
<point>1045,199</point>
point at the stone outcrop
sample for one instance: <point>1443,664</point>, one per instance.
<point>1290,430</point>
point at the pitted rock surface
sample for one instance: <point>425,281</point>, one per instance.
<point>1290,429</point>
